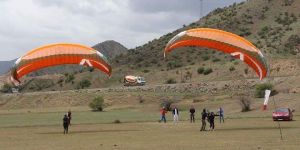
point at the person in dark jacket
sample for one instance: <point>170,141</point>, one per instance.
<point>211,119</point>
<point>203,118</point>
<point>66,124</point>
<point>192,114</point>
<point>70,116</point>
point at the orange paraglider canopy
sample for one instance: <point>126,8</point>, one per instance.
<point>58,54</point>
<point>223,41</point>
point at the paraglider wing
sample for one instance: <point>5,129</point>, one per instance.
<point>58,54</point>
<point>223,41</point>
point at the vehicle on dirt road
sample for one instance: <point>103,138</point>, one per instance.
<point>134,81</point>
<point>283,114</point>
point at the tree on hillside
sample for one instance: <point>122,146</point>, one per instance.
<point>97,104</point>
<point>260,89</point>
<point>245,103</point>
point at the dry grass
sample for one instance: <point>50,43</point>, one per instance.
<point>248,133</point>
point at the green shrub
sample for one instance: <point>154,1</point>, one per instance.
<point>171,81</point>
<point>69,78</point>
<point>260,89</point>
<point>117,121</point>
<point>205,58</point>
<point>173,64</point>
<point>207,71</point>
<point>146,71</point>
<point>200,70</point>
<point>97,104</point>
<point>84,83</point>
<point>216,60</point>
<point>231,69</point>
<point>6,88</point>
<point>246,70</point>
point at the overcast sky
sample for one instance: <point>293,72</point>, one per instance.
<point>27,24</point>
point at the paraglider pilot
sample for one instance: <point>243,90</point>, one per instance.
<point>66,124</point>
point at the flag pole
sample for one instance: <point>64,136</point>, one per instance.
<point>277,120</point>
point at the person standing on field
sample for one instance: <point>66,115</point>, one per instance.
<point>203,118</point>
<point>70,116</point>
<point>175,115</point>
<point>163,115</point>
<point>192,114</point>
<point>211,119</point>
<point>66,124</point>
<point>221,114</point>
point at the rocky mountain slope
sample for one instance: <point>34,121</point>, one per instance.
<point>110,48</point>
<point>5,66</point>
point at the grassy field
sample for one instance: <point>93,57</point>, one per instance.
<point>93,130</point>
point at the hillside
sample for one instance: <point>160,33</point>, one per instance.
<point>5,66</point>
<point>110,48</point>
<point>272,25</point>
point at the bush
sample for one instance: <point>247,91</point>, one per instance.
<point>117,121</point>
<point>292,42</point>
<point>84,83</point>
<point>200,70</point>
<point>167,104</point>
<point>188,75</point>
<point>171,81</point>
<point>146,71</point>
<point>246,70</point>
<point>69,78</point>
<point>97,104</point>
<point>141,99</point>
<point>216,60</point>
<point>205,58</point>
<point>231,69</point>
<point>6,88</point>
<point>173,64</point>
<point>207,71</point>
<point>260,89</point>
<point>245,103</point>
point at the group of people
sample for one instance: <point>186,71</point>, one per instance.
<point>67,121</point>
<point>175,113</point>
<point>210,117</point>
<point>205,116</point>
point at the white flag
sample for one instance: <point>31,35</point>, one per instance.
<point>267,95</point>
